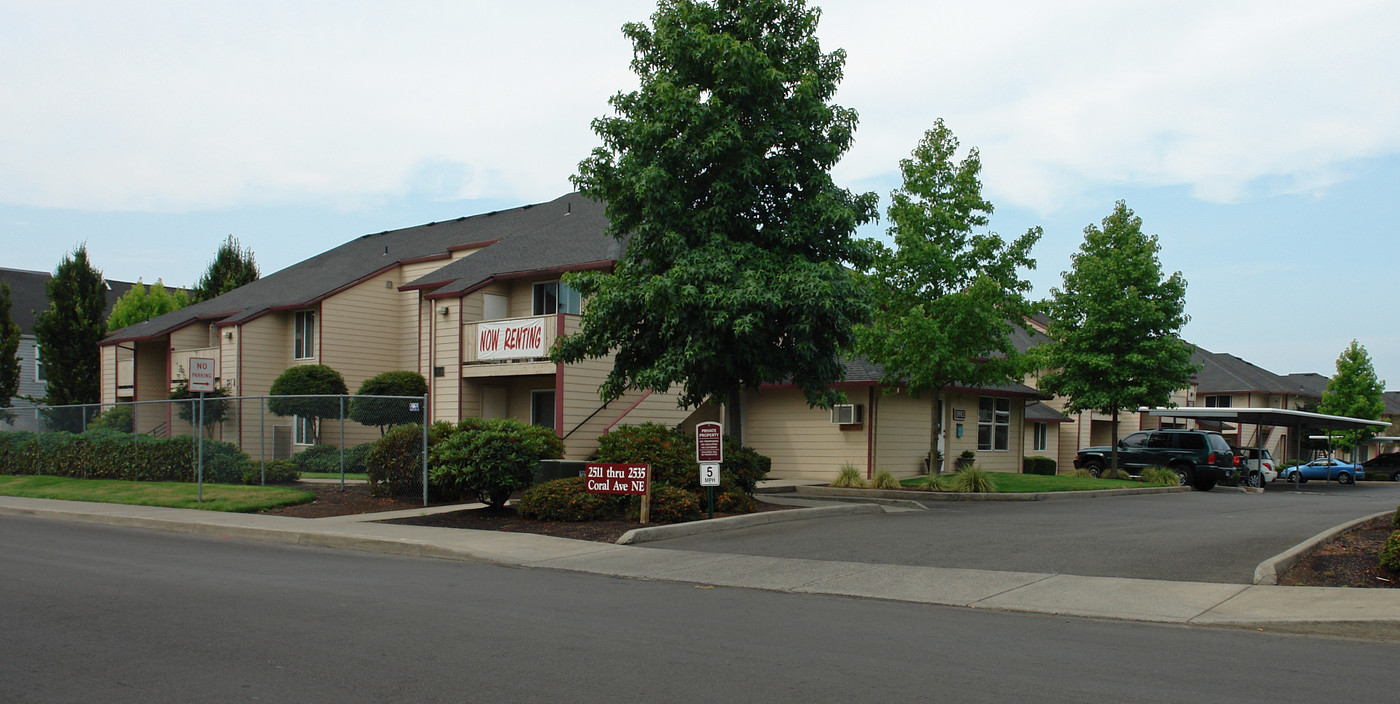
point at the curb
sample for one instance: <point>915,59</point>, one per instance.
<point>1268,571</point>
<point>921,496</point>
<point>714,525</point>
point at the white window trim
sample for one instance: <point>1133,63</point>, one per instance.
<point>301,427</point>
<point>1040,437</point>
<point>559,288</point>
<point>38,367</point>
<point>299,336</point>
<point>992,437</point>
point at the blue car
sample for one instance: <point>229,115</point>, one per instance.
<point>1343,472</point>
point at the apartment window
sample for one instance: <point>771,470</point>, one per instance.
<point>1220,401</point>
<point>39,366</point>
<point>1040,433</point>
<point>304,340</point>
<point>554,297</point>
<point>303,430</point>
<point>993,423</point>
<point>542,408</point>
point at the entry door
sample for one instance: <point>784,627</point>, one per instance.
<point>494,403</point>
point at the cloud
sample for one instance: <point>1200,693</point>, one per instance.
<point>174,106</point>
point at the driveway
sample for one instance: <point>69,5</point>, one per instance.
<point>1217,536</point>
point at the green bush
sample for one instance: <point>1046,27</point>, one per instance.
<point>1113,473</point>
<point>1395,520</point>
<point>224,463</point>
<point>568,500</point>
<point>388,412</point>
<point>118,418</point>
<point>394,462</point>
<point>668,505</point>
<point>1390,553</point>
<point>849,478</point>
<point>731,498</point>
<point>971,480</point>
<point>670,453</point>
<point>492,459</point>
<point>108,454</point>
<point>272,472</point>
<point>744,464</point>
<point>1036,464</point>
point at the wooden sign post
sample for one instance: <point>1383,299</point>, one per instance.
<point>633,479</point>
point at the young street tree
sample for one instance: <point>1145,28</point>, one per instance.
<point>141,304</point>
<point>69,330</point>
<point>946,296</point>
<point>9,353</point>
<point>232,267</point>
<point>308,391</point>
<point>1114,325</point>
<point>716,171</point>
<point>1356,392</point>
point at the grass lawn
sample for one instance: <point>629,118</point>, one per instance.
<point>217,497</point>
<point>1035,483</point>
<point>334,475</point>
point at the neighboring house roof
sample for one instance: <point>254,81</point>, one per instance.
<point>29,295</point>
<point>568,232</point>
<point>1392,403</point>
<point>1037,412</point>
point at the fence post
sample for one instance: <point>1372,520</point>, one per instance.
<point>342,442</point>
<point>425,450</point>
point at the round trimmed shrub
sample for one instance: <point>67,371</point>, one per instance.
<point>567,500</point>
<point>273,472</point>
<point>491,459</point>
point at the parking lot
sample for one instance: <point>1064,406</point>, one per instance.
<point>1217,536</point>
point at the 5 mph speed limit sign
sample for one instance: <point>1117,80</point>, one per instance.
<point>709,474</point>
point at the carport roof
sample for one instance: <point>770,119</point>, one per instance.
<point>1269,416</point>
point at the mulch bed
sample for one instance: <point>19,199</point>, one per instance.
<point>1350,560</point>
<point>355,499</point>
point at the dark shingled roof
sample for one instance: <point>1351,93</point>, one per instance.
<point>1037,412</point>
<point>28,295</point>
<point>1225,373</point>
<point>563,233</point>
<point>859,369</point>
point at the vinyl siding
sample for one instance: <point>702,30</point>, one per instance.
<point>901,432</point>
<point>362,335</point>
<point>108,362</point>
<point>801,441</point>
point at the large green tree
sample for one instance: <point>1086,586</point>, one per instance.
<point>9,353</point>
<point>1356,392</point>
<point>947,294</point>
<point>716,171</point>
<point>308,391</point>
<point>1115,324</point>
<point>233,266</point>
<point>140,304</point>
<point>70,328</point>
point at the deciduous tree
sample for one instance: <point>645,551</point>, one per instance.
<point>1115,324</point>
<point>140,304</point>
<point>1356,392</point>
<point>947,294</point>
<point>716,171</point>
<point>388,412</point>
<point>308,391</point>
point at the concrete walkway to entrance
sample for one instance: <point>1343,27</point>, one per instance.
<point>1373,612</point>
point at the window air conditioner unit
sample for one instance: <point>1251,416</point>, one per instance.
<point>847,414</point>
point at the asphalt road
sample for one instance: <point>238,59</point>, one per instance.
<point>1214,536</point>
<point>103,614</point>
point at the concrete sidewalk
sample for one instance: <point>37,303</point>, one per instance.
<point>1364,612</point>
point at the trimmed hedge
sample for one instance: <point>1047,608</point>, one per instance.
<point>1038,465</point>
<point>326,458</point>
<point>106,454</point>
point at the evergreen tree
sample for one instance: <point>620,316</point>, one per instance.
<point>946,296</point>
<point>1356,392</point>
<point>9,354</point>
<point>233,266</point>
<point>1114,325</point>
<point>716,171</point>
<point>69,329</point>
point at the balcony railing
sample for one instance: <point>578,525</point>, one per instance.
<point>180,361</point>
<point>512,339</point>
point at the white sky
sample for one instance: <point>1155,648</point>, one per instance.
<point>1260,140</point>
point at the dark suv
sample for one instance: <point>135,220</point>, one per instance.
<point>1200,458</point>
<point>1387,465</point>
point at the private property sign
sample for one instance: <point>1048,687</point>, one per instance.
<point>510,339</point>
<point>617,478</point>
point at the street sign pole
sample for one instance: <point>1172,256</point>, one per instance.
<point>201,380</point>
<point>709,453</point>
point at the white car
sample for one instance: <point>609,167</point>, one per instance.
<point>1258,466</point>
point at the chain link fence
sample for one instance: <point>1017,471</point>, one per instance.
<point>248,439</point>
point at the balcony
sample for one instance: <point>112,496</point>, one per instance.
<point>512,345</point>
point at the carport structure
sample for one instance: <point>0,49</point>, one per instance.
<point>1295,421</point>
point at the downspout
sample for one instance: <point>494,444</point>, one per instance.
<point>871,455</point>
<point>559,381</point>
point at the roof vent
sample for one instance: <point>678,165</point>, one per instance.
<point>568,208</point>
